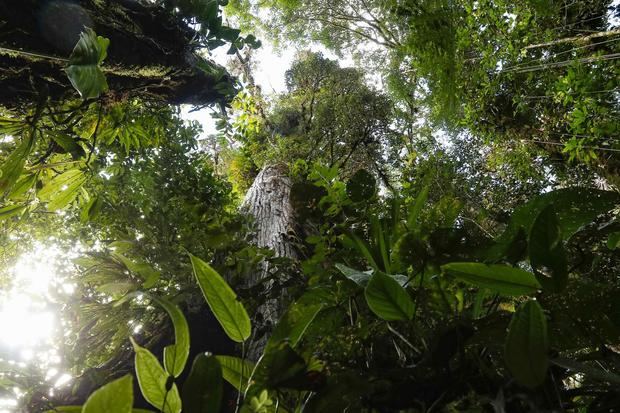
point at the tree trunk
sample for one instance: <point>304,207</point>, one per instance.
<point>150,55</point>
<point>268,203</point>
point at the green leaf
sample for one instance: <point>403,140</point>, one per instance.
<point>144,270</point>
<point>203,389</point>
<point>388,299</point>
<point>83,70</point>
<point>360,278</point>
<point>152,379</point>
<point>575,207</point>
<point>235,371</point>
<point>175,356</point>
<point>68,144</point>
<point>14,164</point>
<point>502,279</point>
<point>613,242</point>
<point>62,189</point>
<point>361,186</point>
<point>527,345</point>
<point>116,396</point>
<point>228,33</point>
<point>22,185</point>
<point>361,246</point>
<point>11,210</point>
<point>91,210</point>
<point>546,251</point>
<point>223,301</point>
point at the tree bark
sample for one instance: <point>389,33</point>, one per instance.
<point>151,54</point>
<point>268,203</point>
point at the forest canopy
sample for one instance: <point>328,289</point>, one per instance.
<point>426,218</point>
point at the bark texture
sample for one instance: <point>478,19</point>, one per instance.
<point>268,203</point>
<point>151,54</point>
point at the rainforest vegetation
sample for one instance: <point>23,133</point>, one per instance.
<point>426,219</point>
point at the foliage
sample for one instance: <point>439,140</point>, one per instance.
<point>443,263</point>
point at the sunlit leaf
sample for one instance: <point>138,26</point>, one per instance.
<point>388,299</point>
<point>116,396</point>
<point>62,189</point>
<point>175,356</point>
<point>223,301</point>
<point>11,210</point>
<point>12,167</point>
<point>527,345</point>
<point>496,277</point>
<point>154,381</point>
<point>235,371</point>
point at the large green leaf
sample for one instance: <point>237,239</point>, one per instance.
<point>223,301</point>
<point>527,345</point>
<point>62,189</point>
<point>236,371</point>
<point>154,381</point>
<point>175,355</point>
<point>546,251</point>
<point>360,278</point>
<point>116,396</point>
<point>83,70</point>
<point>388,299</point>
<point>496,277</point>
<point>575,207</point>
<point>203,389</point>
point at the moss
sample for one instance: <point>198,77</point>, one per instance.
<point>146,72</point>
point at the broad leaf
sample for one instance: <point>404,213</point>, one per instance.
<point>116,396</point>
<point>546,251</point>
<point>223,301</point>
<point>235,371</point>
<point>388,299</point>
<point>91,209</point>
<point>527,345</point>
<point>175,356</point>
<point>575,207</point>
<point>83,70</point>
<point>154,381</point>
<point>358,277</point>
<point>613,242</point>
<point>203,389</point>
<point>499,278</point>
<point>62,189</point>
